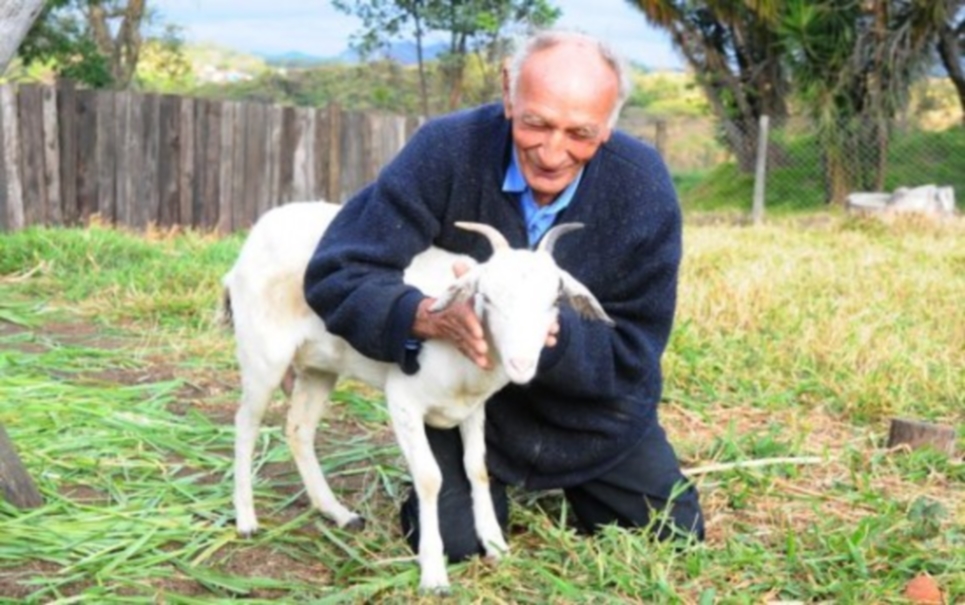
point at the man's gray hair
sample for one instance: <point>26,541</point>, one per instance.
<point>551,37</point>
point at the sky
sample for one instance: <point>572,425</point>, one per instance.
<point>314,27</point>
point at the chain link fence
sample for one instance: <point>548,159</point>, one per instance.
<point>808,164</point>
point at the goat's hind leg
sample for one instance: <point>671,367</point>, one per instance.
<point>256,390</point>
<point>308,405</point>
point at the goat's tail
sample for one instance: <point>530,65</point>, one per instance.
<point>225,315</point>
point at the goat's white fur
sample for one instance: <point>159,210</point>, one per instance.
<point>275,329</point>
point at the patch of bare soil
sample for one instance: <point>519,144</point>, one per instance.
<point>202,391</point>
<point>809,493</point>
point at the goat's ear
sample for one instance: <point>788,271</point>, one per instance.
<point>581,299</point>
<point>458,292</point>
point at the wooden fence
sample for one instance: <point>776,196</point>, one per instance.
<point>139,159</point>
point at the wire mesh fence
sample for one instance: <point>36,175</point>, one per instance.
<point>809,163</point>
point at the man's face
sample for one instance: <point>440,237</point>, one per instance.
<point>560,115</point>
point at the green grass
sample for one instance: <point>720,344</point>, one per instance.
<point>800,338</point>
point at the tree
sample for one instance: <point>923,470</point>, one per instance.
<point>853,64</point>
<point>123,47</point>
<point>850,61</point>
<point>480,28</point>
<point>951,48</point>
<point>16,17</point>
<point>386,20</point>
<point>97,42</point>
<point>474,27</point>
<point>737,57</point>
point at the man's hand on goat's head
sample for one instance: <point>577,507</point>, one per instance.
<point>458,324</point>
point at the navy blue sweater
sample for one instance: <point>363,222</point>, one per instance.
<point>598,388</point>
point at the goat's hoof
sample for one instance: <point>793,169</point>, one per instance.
<point>247,530</point>
<point>436,591</point>
<point>355,524</point>
<point>493,556</point>
<point>495,550</point>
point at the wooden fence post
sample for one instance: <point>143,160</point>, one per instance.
<point>335,159</point>
<point>660,137</point>
<point>30,113</point>
<point>66,95</point>
<point>17,486</point>
<point>13,190</point>
<point>52,174</point>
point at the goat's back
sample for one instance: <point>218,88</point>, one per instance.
<point>273,323</point>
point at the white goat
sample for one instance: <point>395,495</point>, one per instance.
<point>517,293</point>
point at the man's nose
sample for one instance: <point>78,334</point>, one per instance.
<point>554,150</point>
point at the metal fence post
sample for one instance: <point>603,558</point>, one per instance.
<point>757,211</point>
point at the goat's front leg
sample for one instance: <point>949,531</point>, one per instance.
<point>409,427</point>
<point>488,530</point>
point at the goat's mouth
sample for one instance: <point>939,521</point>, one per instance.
<point>520,369</point>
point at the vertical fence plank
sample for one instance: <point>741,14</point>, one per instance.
<point>97,152</point>
<point>375,126</point>
<point>351,154</point>
<point>54,211</point>
<point>304,162</point>
<point>226,172</point>
<point>286,170</point>
<point>186,163</point>
<point>124,161</point>
<point>3,174</point>
<point>237,159</point>
<point>334,191</point>
<point>169,159</point>
<point>262,170</point>
<point>254,160</point>
<point>273,159</point>
<point>321,154</point>
<point>146,202</point>
<point>211,156</point>
<point>201,117</point>
<point>200,130</point>
<point>67,133</point>
<point>13,218</point>
<point>30,111</point>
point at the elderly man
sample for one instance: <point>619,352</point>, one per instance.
<point>548,153</point>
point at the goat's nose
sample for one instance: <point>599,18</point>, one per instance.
<point>522,368</point>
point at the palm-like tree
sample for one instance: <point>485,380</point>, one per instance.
<point>736,55</point>
<point>852,64</point>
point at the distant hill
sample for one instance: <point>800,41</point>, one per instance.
<point>400,52</point>
<point>297,59</point>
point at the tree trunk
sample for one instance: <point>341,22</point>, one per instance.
<point>122,50</point>
<point>950,54</point>
<point>16,17</point>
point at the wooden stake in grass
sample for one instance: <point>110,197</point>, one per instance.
<point>919,434</point>
<point>18,487</point>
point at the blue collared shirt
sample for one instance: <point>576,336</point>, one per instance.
<point>538,219</point>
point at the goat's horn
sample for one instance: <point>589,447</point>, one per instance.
<point>495,238</point>
<point>549,240</point>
